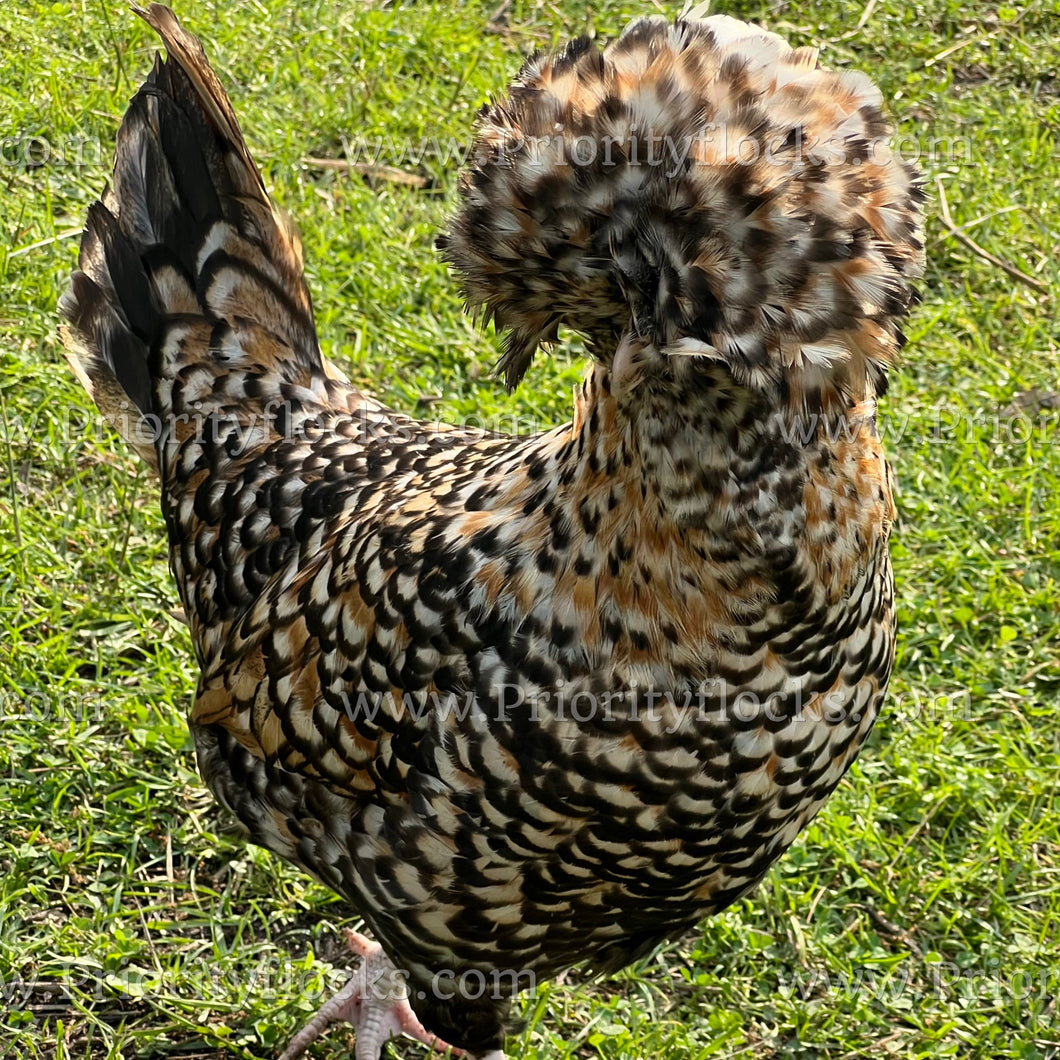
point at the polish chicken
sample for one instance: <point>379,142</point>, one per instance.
<point>529,703</point>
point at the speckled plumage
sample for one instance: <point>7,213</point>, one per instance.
<point>537,701</point>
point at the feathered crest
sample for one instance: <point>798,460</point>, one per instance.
<point>699,186</point>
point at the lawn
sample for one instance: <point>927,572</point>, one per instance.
<point>918,916</point>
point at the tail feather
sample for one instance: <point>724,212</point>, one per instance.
<point>185,230</point>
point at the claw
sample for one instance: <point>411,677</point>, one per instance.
<point>376,1012</point>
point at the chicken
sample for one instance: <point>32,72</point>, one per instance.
<point>529,702</point>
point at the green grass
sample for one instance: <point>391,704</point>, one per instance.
<point>919,915</point>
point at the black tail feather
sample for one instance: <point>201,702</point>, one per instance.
<point>186,228</point>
